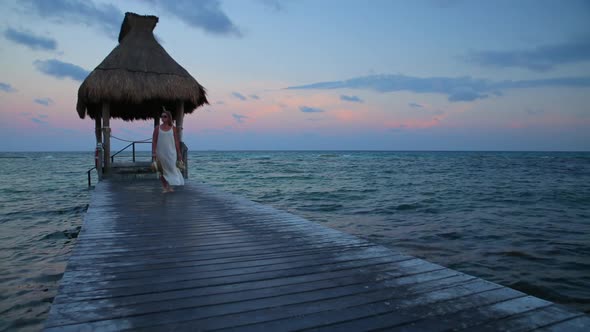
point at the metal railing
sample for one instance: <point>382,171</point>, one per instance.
<point>132,145</point>
<point>89,177</point>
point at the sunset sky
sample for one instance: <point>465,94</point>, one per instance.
<point>316,74</point>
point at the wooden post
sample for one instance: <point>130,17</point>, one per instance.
<point>183,148</point>
<point>179,118</point>
<point>106,116</point>
<point>98,153</point>
<point>98,129</point>
<point>184,151</point>
<point>156,121</point>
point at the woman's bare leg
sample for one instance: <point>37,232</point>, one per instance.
<point>165,184</point>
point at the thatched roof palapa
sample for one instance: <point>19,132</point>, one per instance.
<point>138,77</point>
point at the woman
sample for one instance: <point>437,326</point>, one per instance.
<point>166,150</point>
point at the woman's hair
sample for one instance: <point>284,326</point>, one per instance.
<point>169,116</point>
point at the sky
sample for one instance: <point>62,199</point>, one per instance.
<point>316,74</point>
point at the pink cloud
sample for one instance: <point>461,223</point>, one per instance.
<point>516,125</point>
<point>413,123</point>
<point>280,110</point>
<point>265,109</point>
<point>350,116</point>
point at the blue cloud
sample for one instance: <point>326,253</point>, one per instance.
<point>206,15</point>
<point>61,69</point>
<point>456,88</point>
<point>415,105</point>
<point>30,40</point>
<point>239,118</point>
<point>44,101</point>
<point>39,121</point>
<point>392,83</point>
<point>569,82</point>
<point>254,97</point>
<point>238,95</point>
<point>465,94</point>
<point>306,109</point>
<point>353,99</point>
<point>105,17</point>
<point>6,87</point>
<point>540,58</point>
<point>275,5</point>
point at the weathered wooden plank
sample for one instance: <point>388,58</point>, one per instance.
<point>576,324</point>
<point>376,315</point>
<point>276,286</point>
<point>234,231</point>
<point>475,316</point>
<point>212,260</point>
<point>178,248</point>
<point>201,281</point>
<point>238,236</point>
<point>179,224</point>
<point>191,260</point>
<point>173,275</point>
<point>260,289</point>
<point>528,320</point>
<point>204,242</point>
<point>105,263</point>
<point>85,276</point>
<point>189,240</point>
<point>223,286</point>
<point>305,301</point>
<point>248,300</point>
<point>203,252</point>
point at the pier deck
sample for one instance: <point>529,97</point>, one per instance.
<point>202,259</point>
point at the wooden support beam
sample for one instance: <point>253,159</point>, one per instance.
<point>106,116</point>
<point>98,128</point>
<point>99,149</point>
<point>179,114</point>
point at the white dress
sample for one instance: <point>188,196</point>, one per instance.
<point>166,154</point>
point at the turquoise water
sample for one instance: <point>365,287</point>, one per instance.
<point>42,200</point>
<point>519,219</point>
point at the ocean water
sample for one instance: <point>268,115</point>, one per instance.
<point>521,219</point>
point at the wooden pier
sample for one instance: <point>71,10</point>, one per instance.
<point>202,259</point>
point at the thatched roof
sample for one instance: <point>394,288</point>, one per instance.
<point>138,77</point>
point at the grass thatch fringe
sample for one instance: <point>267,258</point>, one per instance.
<point>125,87</point>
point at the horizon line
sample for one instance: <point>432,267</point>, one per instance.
<point>314,150</point>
